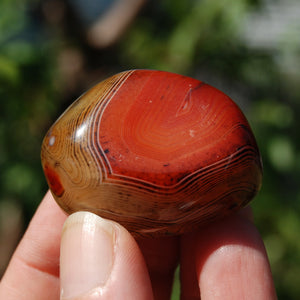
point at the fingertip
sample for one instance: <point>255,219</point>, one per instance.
<point>230,261</point>
<point>100,260</point>
<point>87,254</point>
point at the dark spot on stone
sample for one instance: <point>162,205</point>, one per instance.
<point>233,206</point>
<point>106,151</point>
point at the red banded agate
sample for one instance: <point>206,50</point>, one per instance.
<point>158,152</point>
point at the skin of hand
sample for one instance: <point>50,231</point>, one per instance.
<point>85,257</point>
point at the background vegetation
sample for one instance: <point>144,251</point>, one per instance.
<point>240,46</point>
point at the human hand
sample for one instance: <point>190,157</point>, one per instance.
<point>99,259</point>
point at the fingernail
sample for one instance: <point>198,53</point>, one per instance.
<point>87,254</point>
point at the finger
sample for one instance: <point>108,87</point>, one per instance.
<point>101,260</point>
<point>230,262</point>
<point>34,267</point>
<point>188,274</point>
<point>162,258</point>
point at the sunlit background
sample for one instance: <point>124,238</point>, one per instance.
<point>53,50</point>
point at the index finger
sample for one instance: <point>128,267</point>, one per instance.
<point>34,267</point>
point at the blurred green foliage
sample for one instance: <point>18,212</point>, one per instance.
<point>204,39</point>
<point>27,103</point>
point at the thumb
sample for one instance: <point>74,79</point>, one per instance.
<point>100,260</point>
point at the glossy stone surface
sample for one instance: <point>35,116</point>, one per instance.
<point>158,152</point>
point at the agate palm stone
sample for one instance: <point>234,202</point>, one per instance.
<point>158,152</point>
